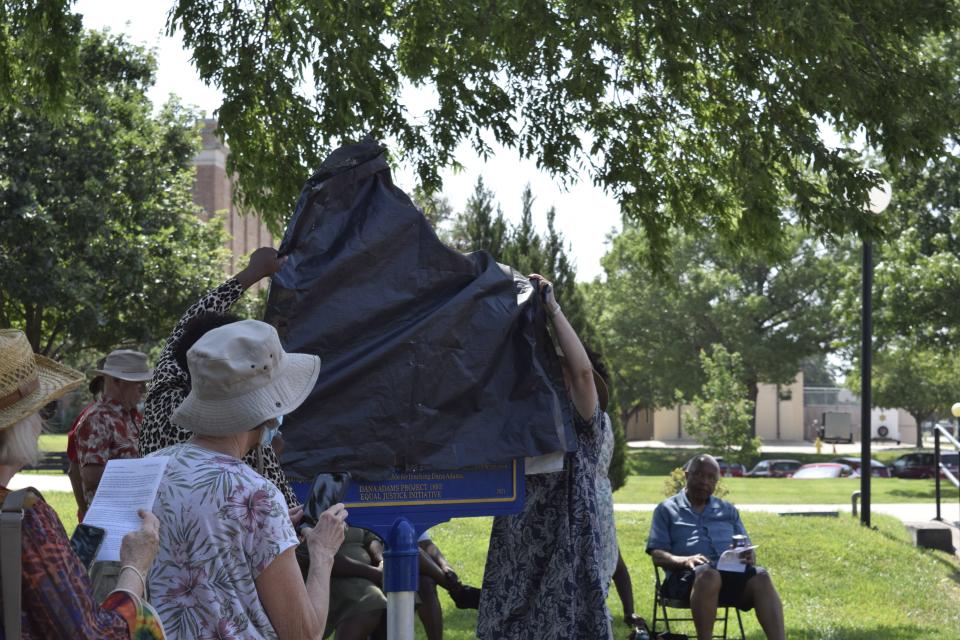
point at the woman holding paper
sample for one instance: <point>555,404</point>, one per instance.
<point>55,594</point>
<point>226,566</point>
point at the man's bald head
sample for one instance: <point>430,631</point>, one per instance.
<point>695,463</point>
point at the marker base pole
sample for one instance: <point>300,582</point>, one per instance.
<point>401,565</point>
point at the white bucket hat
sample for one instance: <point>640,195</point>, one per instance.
<point>126,364</point>
<point>240,377</point>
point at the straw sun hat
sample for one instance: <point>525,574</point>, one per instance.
<point>240,377</point>
<point>29,381</point>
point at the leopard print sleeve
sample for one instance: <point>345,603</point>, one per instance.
<point>170,382</point>
<point>170,386</point>
<point>219,300</point>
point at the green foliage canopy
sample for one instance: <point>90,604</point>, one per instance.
<point>774,312</point>
<point>100,242</point>
<point>693,115</point>
<point>917,262</point>
<point>39,45</point>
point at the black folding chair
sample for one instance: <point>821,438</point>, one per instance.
<point>661,603</point>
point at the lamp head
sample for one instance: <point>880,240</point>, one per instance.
<point>955,409</point>
<point>880,197</point>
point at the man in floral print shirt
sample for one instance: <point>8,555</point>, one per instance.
<point>107,431</point>
<point>110,428</point>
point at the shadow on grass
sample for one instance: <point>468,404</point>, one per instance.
<point>930,494</point>
<point>945,559</point>
<point>948,560</point>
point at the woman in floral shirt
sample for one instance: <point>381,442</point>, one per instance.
<point>56,597</point>
<point>226,566</point>
<point>171,379</point>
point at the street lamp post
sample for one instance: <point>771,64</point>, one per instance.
<point>879,199</point>
<point>955,410</point>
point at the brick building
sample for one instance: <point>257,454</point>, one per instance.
<point>213,191</point>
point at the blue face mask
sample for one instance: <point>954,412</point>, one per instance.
<point>268,433</point>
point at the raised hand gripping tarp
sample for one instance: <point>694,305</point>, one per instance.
<point>430,358</point>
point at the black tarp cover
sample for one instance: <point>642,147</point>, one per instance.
<point>430,358</point>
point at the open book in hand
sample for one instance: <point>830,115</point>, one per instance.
<point>126,485</point>
<point>732,559</point>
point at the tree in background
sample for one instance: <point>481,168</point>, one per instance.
<point>436,209</point>
<point>481,225</point>
<point>917,262</point>
<point>39,54</point>
<point>774,312</point>
<point>693,115</point>
<point>721,413</point>
<point>525,249</point>
<point>100,242</point>
<point>920,380</point>
<point>916,299</point>
<point>818,372</point>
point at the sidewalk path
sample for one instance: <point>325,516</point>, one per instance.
<point>781,447</point>
<point>41,482</point>
<point>907,512</point>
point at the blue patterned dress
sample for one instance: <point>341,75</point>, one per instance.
<point>543,573</point>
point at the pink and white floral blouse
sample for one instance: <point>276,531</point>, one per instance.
<point>221,524</point>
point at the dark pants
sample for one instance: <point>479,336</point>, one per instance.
<point>680,583</point>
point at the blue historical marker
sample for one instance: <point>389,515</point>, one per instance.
<point>403,506</point>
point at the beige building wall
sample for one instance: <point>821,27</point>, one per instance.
<point>213,190</point>
<point>781,420</point>
<point>784,417</point>
<point>668,423</point>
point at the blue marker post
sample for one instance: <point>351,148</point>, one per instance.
<point>401,570</point>
<point>406,504</point>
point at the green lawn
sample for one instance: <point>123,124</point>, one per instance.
<point>53,442</point>
<point>838,580</point>
<point>649,489</point>
<point>66,507</point>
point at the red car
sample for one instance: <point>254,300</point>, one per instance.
<point>877,468</point>
<point>731,469</point>
<point>920,465</point>
<point>821,470</point>
<point>774,469</point>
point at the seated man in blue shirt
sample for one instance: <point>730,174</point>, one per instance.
<point>687,536</point>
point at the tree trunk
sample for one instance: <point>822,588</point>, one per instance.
<point>33,319</point>
<point>919,420</point>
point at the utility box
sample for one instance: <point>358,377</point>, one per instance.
<point>836,427</point>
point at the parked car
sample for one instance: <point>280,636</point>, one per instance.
<point>731,469</point>
<point>877,468</point>
<point>820,470</point>
<point>774,469</point>
<point>920,465</point>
